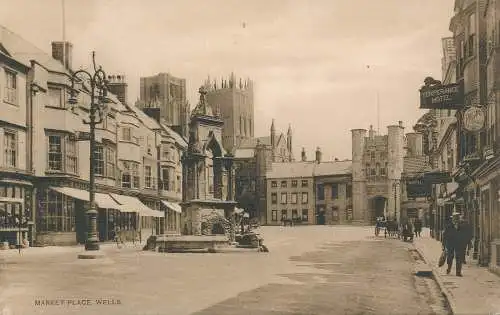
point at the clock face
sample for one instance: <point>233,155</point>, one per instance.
<point>474,119</point>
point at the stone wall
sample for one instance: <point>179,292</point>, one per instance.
<point>55,239</point>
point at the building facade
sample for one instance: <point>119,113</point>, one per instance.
<point>471,157</point>
<point>46,149</point>
<point>377,166</point>
<point>253,158</point>
<point>234,99</point>
<point>309,192</point>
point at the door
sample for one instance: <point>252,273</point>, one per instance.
<point>320,216</point>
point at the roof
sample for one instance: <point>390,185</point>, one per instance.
<point>309,169</point>
<point>24,51</point>
<point>416,164</point>
<point>252,142</point>
<point>177,137</point>
<point>148,121</point>
<point>333,168</point>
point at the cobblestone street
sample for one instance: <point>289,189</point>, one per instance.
<point>309,270</point>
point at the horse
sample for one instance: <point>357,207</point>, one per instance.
<point>392,229</point>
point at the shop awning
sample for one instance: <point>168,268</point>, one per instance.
<point>11,200</point>
<point>172,206</point>
<point>132,204</point>
<point>103,201</point>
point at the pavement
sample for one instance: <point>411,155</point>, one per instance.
<point>309,270</point>
<point>477,292</point>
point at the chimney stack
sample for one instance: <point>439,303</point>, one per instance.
<point>117,85</point>
<point>63,51</point>
<point>400,123</point>
<point>318,155</point>
<point>304,157</point>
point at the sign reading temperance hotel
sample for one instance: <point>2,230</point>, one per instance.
<point>450,96</point>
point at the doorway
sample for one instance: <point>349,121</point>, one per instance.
<point>320,216</point>
<point>378,204</point>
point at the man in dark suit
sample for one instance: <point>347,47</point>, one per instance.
<point>455,238</point>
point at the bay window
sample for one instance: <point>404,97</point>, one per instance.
<point>130,175</point>
<point>62,153</point>
<point>105,161</point>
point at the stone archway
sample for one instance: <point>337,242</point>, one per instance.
<point>378,207</point>
<point>212,222</point>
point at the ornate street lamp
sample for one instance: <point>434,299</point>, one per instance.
<point>97,111</point>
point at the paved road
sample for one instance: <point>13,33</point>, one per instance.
<point>309,270</point>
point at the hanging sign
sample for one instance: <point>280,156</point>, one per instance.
<point>474,119</point>
<point>450,96</point>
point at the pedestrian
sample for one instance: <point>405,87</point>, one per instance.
<point>468,235</point>
<point>455,242</point>
<point>418,227</point>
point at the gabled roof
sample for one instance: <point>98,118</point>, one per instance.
<point>23,51</point>
<point>177,137</point>
<point>146,120</point>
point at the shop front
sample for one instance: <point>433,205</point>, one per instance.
<point>16,215</point>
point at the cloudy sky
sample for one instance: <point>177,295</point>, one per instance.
<point>309,59</point>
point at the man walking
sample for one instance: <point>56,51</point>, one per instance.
<point>418,227</point>
<point>455,242</point>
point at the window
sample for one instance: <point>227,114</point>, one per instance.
<point>130,175</point>
<point>55,153</point>
<point>382,171</point>
<point>367,170</point>
<point>372,156</point>
<point>10,95</point>
<point>10,148</point>
<point>274,184</point>
<point>283,198</point>
<point>377,169</point>
<point>55,97</point>
<point>320,190</point>
<point>274,215</point>
<point>99,160</point>
<point>274,198</point>
<point>305,198</point>
<point>105,161</point>
<point>295,214</point>
<point>373,172</point>
<point>283,184</point>
<point>284,214</point>
<point>293,198</point>
<point>305,183</point>
<point>335,191</point>
<point>71,155</point>
<point>165,176</point>
<point>126,134</point>
<point>472,34</point>
<point>294,183</point>
<point>147,176</point>
<point>57,213</point>
<point>348,191</point>
<point>305,215</point>
<point>110,162</point>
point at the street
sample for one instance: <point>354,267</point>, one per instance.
<point>309,270</point>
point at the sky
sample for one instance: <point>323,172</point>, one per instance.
<point>316,65</point>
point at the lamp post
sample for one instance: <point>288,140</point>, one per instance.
<point>395,186</point>
<point>97,111</point>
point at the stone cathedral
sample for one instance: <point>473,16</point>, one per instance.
<point>208,189</point>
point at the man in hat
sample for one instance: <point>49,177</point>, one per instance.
<point>455,242</point>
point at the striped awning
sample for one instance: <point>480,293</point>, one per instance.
<point>172,206</point>
<point>133,204</point>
